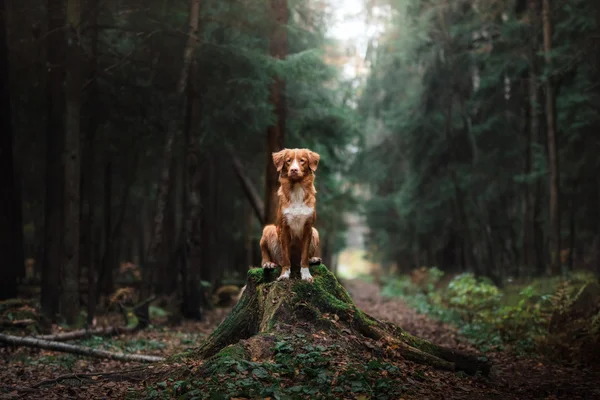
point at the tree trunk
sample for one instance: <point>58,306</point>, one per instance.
<point>192,260</point>
<point>11,233</point>
<point>167,282</point>
<point>532,191</point>
<point>105,279</point>
<point>572,223</point>
<point>471,263</point>
<point>53,212</point>
<point>69,301</point>
<point>276,132</point>
<point>117,232</point>
<point>553,157</point>
<point>87,175</point>
<point>156,246</point>
<point>192,290</point>
<point>283,317</point>
<point>248,258</point>
<point>208,230</point>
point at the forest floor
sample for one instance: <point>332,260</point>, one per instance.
<point>32,374</point>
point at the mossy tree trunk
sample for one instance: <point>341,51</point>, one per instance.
<point>268,309</point>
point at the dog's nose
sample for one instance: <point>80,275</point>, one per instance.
<point>294,170</point>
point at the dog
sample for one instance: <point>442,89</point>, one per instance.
<point>293,239</point>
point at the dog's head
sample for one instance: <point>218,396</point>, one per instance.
<point>295,164</point>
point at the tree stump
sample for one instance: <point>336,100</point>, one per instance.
<point>293,339</point>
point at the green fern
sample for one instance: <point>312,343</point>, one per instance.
<point>561,299</point>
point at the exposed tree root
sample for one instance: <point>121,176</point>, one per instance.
<point>80,350</point>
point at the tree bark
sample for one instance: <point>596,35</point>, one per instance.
<point>88,164</point>
<point>69,301</point>
<point>167,282</point>
<point>80,350</point>
<point>192,293</point>
<point>11,236</point>
<point>117,232</point>
<point>532,189</point>
<point>192,260</point>
<point>276,131</point>
<point>105,279</point>
<point>53,212</point>
<point>553,157</point>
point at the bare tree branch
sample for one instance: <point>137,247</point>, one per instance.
<point>248,186</point>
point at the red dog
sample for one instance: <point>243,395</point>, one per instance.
<point>293,238</point>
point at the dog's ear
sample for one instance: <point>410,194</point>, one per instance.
<point>278,159</point>
<point>313,160</point>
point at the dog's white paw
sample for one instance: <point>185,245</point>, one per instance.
<point>269,265</point>
<point>314,261</point>
<point>284,275</point>
<point>306,276</point>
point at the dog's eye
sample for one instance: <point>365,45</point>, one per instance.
<point>289,160</point>
<point>302,160</point>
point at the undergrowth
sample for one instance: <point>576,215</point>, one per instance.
<point>517,317</point>
<point>298,369</point>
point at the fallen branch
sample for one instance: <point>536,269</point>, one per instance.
<point>89,378</point>
<point>247,185</point>
<point>80,350</point>
<point>14,303</point>
<point>83,333</point>
<point>135,319</point>
<point>112,376</point>
<point>20,323</point>
<point>17,388</point>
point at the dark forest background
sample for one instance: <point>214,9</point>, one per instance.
<point>136,138</point>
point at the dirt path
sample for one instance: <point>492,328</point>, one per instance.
<point>511,377</point>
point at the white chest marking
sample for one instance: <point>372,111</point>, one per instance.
<point>297,212</point>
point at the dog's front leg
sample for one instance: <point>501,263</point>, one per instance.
<point>307,236</point>
<point>285,240</point>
